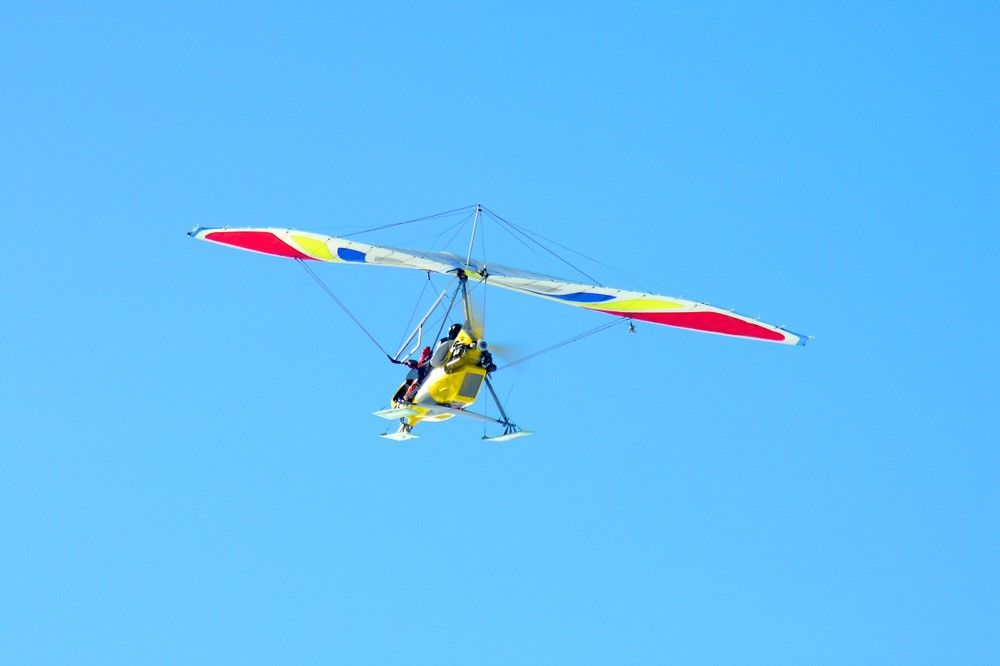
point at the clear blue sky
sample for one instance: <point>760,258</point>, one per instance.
<point>190,471</point>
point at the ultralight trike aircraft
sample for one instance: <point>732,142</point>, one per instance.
<point>445,380</point>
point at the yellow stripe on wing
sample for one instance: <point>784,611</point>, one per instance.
<point>314,247</point>
<point>637,305</point>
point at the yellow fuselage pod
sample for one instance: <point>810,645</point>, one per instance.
<point>455,383</point>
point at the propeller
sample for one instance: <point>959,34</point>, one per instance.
<point>475,325</point>
<point>506,351</point>
<point>474,321</point>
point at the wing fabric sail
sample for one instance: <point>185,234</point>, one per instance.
<point>641,306</point>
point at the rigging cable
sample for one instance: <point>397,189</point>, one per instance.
<point>444,318</point>
<point>416,305</point>
<point>521,241</point>
<point>598,262</point>
<point>416,219</point>
<point>554,254</point>
<point>557,345</point>
<point>484,274</point>
<point>434,243</point>
<point>343,307</point>
<point>457,231</point>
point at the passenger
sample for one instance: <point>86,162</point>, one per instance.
<point>418,373</point>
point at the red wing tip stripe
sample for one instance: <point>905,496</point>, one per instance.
<point>256,241</point>
<point>710,322</point>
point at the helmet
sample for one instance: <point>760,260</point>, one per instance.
<point>425,354</point>
<point>453,331</point>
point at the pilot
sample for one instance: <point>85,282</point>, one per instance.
<point>444,346</point>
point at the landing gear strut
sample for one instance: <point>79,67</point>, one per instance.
<point>510,430</point>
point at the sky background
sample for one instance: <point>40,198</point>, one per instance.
<point>190,470</point>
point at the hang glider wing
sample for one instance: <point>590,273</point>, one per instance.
<point>636,305</point>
